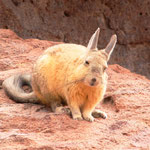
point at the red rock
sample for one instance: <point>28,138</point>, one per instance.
<point>30,126</point>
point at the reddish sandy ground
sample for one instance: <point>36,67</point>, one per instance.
<point>34,127</point>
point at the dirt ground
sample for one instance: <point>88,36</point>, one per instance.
<point>35,127</point>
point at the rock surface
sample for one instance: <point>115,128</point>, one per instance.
<point>34,127</point>
<point>75,21</point>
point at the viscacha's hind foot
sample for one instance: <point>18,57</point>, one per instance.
<point>99,114</point>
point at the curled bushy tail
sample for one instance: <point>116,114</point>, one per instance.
<point>13,87</point>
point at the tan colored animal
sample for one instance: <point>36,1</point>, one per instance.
<point>67,73</point>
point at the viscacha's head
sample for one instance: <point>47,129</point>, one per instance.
<point>95,62</point>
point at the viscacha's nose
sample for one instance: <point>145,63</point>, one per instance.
<point>93,80</point>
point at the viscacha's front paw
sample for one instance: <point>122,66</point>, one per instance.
<point>77,117</point>
<point>88,118</point>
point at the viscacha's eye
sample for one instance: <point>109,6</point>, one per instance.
<point>87,62</point>
<point>104,68</point>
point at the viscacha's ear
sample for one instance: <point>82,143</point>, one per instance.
<point>93,40</point>
<point>110,46</point>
